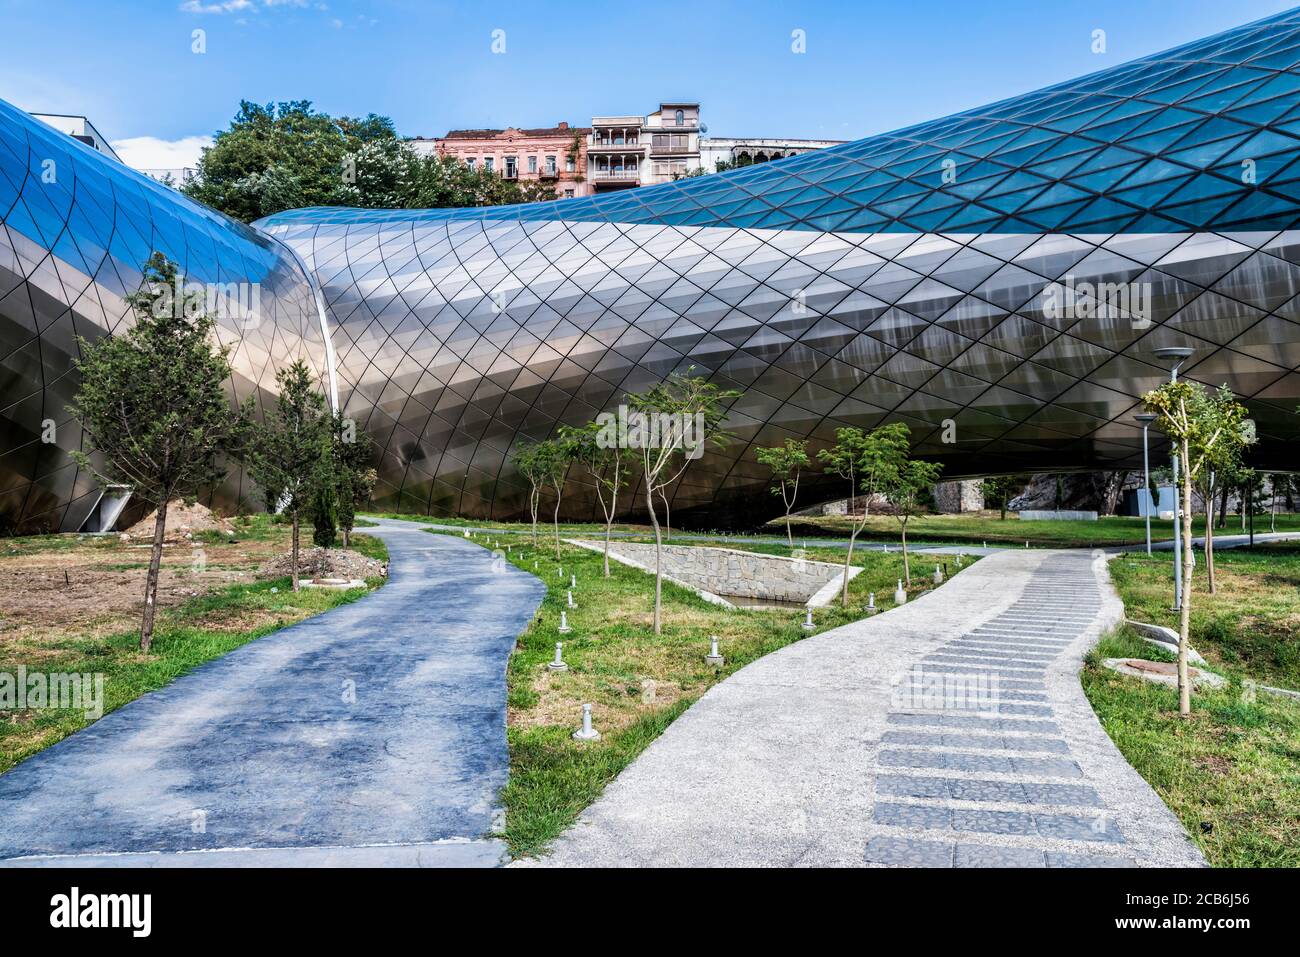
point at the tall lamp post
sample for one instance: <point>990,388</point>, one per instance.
<point>1177,355</point>
<point>1146,418</point>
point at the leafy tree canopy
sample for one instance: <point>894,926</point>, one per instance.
<point>288,155</point>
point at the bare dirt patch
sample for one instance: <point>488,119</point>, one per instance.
<point>183,522</point>
<point>96,585</point>
<point>325,563</point>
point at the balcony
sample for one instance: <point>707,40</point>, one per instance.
<point>667,147</point>
<point>615,175</point>
<point>612,147</point>
<point>548,173</point>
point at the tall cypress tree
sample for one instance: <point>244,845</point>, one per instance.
<point>290,449</point>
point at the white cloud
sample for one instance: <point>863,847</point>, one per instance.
<point>150,152</point>
<point>234,6</point>
<point>218,6</point>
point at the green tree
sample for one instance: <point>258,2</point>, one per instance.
<point>290,449</point>
<point>153,408</point>
<point>1224,466</point>
<point>528,463</point>
<point>1001,489</point>
<point>603,461</point>
<point>288,155</point>
<point>864,460</point>
<point>907,486</point>
<point>1196,424</point>
<point>552,458</point>
<point>786,462</point>
<point>674,422</point>
<point>352,473</point>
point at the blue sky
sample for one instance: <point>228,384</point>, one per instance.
<point>868,67</point>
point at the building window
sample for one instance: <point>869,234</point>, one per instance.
<point>532,164</point>
<point>570,165</point>
<point>512,167</point>
<point>488,163</point>
<point>568,193</point>
<point>550,165</point>
<point>681,118</point>
<point>470,161</point>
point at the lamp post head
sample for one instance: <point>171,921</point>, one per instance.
<point>1175,354</point>
<point>1145,418</point>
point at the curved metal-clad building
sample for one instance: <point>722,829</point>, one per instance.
<point>1009,270</point>
<point>75,229</point>
<point>998,280</point>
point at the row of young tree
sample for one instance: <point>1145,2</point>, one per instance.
<point>156,415</point>
<point>874,463</point>
<point>688,412</point>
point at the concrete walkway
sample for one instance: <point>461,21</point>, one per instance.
<point>373,734</point>
<point>949,732</point>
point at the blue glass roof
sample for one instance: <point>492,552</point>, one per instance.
<point>1202,137</point>
<point>86,207</point>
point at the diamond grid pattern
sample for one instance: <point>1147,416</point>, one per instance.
<point>852,286</point>
<point>75,227</point>
<point>848,286</point>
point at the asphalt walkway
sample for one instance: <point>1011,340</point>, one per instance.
<point>372,734</point>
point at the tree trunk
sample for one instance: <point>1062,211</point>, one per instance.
<point>534,500</point>
<point>668,515</point>
<point>1003,516</point>
<point>789,536</point>
<point>659,580</point>
<point>1209,553</point>
<point>907,565</point>
<point>848,560</point>
<point>347,538</point>
<point>556,521</point>
<point>1223,505</point>
<point>293,562</point>
<point>609,524</point>
<point>151,579</point>
<point>1185,618</point>
<point>1207,493</point>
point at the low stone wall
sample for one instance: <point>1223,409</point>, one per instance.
<point>1040,515</point>
<point>722,572</point>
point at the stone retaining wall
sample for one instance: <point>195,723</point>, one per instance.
<point>729,572</point>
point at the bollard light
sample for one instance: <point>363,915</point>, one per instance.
<point>586,732</point>
<point>938,575</point>
<point>573,581</point>
<point>871,602</point>
<point>808,622</point>
<point>564,623</point>
<point>900,596</point>
<point>558,664</point>
<point>713,657</point>
<point>571,604</point>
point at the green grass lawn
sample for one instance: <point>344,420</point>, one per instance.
<point>977,527</point>
<point>636,683</point>
<point>1232,771</point>
<point>196,631</point>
